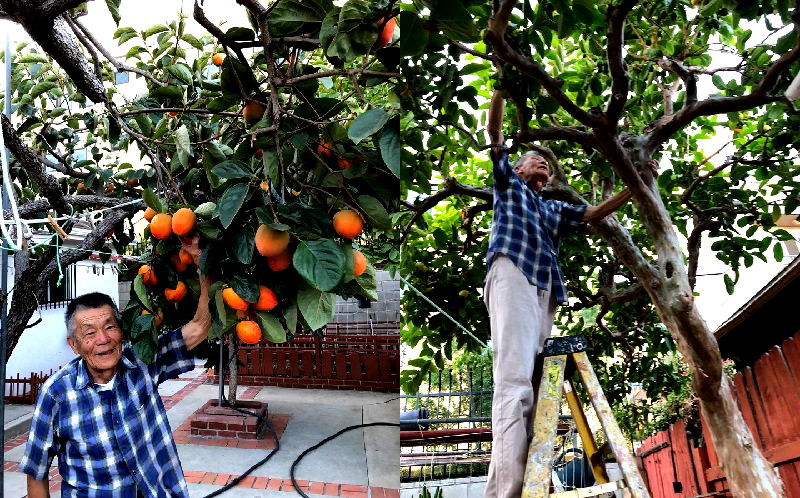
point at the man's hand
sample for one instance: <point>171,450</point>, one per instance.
<point>38,489</point>
<point>192,246</point>
<point>653,165</point>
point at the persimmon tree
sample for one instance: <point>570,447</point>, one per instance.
<point>253,138</point>
<point>600,88</point>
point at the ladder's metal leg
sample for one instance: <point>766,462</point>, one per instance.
<point>545,421</point>
<point>589,444</point>
<point>614,436</point>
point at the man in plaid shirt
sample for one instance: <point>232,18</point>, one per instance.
<point>523,286</point>
<point>101,413</point>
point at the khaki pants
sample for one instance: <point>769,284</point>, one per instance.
<point>521,318</point>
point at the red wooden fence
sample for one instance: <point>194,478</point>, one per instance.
<point>25,390</point>
<point>344,358</point>
<point>768,393</point>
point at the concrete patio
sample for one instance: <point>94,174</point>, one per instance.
<point>360,463</point>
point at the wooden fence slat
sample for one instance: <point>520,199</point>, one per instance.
<point>773,395</point>
<point>355,365</point>
<point>746,405</point>
<point>307,363</point>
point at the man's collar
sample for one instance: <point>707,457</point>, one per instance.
<point>83,379</point>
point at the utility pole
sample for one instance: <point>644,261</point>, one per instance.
<point>4,268</point>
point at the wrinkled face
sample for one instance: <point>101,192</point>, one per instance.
<point>533,170</point>
<point>98,340</point>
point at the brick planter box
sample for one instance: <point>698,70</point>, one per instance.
<point>212,421</point>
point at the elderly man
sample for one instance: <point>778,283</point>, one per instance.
<point>523,286</point>
<point>101,413</point>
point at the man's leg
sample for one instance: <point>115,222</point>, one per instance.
<point>518,322</point>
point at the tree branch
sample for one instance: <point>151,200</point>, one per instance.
<point>689,79</point>
<point>693,244</point>
<point>114,62</point>
<point>324,74</point>
<point>496,36</point>
<point>134,112</point>
<point>662,131</point>
<point>48,185</point>
<point>620,83</point>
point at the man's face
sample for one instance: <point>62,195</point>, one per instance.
<point>534,171</point>
<point>98,340</point>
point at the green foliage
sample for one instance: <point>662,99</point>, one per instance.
<point>269,171</point>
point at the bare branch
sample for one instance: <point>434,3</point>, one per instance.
<point>689,79</point>
<point>134,112</point>
<point>48,185</point>
<point>620,82</point>
<point>476,53</point>
<point>117,64</point>
<point>325,74</point>
<point>694,242</point>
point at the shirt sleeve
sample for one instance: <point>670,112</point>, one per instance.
<point>172,357</point>
<point>42,443</point>
<point>502,170</point>
<point>571,219</point>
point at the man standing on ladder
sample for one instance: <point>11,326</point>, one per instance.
<point>523,286</point>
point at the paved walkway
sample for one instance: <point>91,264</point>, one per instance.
<point>360,463</point>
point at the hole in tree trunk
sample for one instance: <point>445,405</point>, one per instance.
<point>669,270</point>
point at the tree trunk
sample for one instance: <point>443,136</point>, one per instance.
<point>749,473</point>
<point>233,378</point>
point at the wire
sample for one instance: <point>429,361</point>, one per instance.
<point>440,310</point>
<point>327,439</point>
<point>297,460</point>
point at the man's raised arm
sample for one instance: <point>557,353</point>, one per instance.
<point>608,206</point>
<point>494,125</point>
<point>196,330</point>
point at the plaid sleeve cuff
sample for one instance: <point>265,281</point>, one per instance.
<point>40,449</point>
<point>572,218</point>
<point>172,358</point>
<point>501,168</point>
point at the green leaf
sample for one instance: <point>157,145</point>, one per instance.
<point>245,287</point>
<point>158,28</point>
<point>316,307</point>
<point>32,58</point>
<point>290,315</point>
<point>291,16</point>
<point>777,251</point>
<point>145,349</point>
<point>113,8</point>
<point>320,262</point>
<point>240,34</point>
<point>243,245</point>
<point>40,88</point>
<point>455,21</point>
<point>191,40</point>
<point>729,284</point>
<point>152,200</point>
<point>209,230</point>
<point>367,124</point>
<point>390,150</point>
<point>378,217</point>
<point>141,324</point>
<point>232,169</point>
<point>183,145</point>
<point>182,72</point>
<point>145,125</point>
<point>414,37</point>
<point>141,292</point>
<point>167,92</point>
<point>271,327</point>
<point>230,203</point>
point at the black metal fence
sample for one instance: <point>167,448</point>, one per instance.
<point>450,434</point>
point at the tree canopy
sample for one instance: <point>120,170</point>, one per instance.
<point>278,124</point>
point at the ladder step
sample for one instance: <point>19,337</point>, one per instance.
<point>599,489</point>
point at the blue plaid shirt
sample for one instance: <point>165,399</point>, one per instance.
<point>110,443</point>
<point>527,228</point>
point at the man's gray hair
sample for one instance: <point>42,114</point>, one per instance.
<point>92,300</point>
<point>521,158</point>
